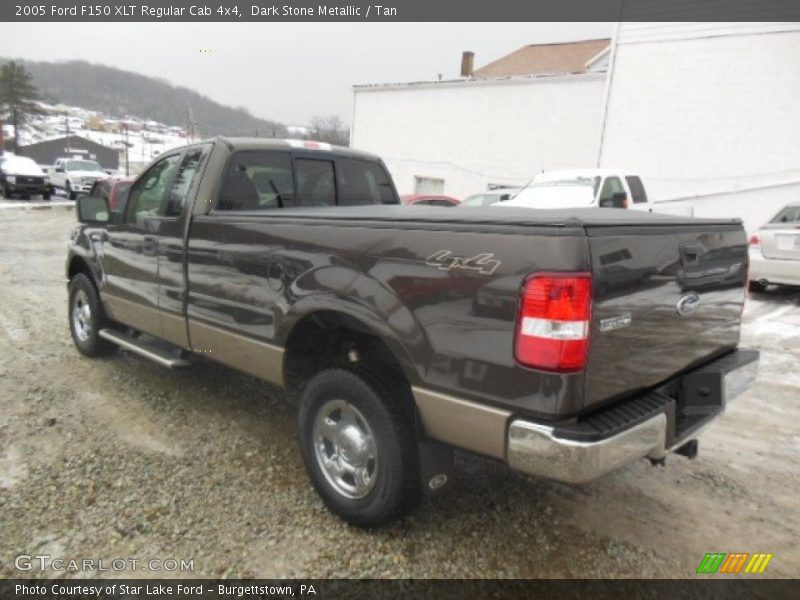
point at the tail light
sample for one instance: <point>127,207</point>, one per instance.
<point>553,322</point>
<point>755,241</point>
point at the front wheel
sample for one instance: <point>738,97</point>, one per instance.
<point>4,191</point>
<point>359,447</point>
<point>86,317</point>
<point>70,194</point>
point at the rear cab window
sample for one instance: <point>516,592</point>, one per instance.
<point>637,189</point>
<point>255,180</point>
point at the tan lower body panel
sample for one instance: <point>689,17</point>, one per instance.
<point>259,359</point>
<point>133,314</point>
<point>174,329</point>
<point>462,423</point>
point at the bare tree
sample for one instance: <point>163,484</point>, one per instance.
<point>330,129</point>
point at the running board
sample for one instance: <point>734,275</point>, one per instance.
<point>149,351</point>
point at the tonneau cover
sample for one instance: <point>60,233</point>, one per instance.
<point>494,215</point>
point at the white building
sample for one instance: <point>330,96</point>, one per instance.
<point>539,108</point>
<point>708,114</point>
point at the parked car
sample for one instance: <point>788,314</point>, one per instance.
<point>113,190</point>
<point>775,250</point>
<point>75,176</point>
<point>583,188</point>
<point>429,200</point>
<point>490,197</point>
<point>294,262</point>
<point>20,175</point>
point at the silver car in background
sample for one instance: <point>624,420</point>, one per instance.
<point>775,250</point>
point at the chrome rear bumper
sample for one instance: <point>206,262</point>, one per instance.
<point>534,449</point>
<point>537,449</point>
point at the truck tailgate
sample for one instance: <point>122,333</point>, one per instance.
<point>666,298</point>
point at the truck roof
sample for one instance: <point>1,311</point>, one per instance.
<point>588,172</point>
<point>253,143</point>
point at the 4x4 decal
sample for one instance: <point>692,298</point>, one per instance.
<point>482,264</point>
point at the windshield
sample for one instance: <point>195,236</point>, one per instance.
<point>562,193</point>
<point>83,165</point>
<point>21,165</point>
<point>790,214</point>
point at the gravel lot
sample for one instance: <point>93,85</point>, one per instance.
<point>121,458</point>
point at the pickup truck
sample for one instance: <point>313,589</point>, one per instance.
<point>564,343</point>
<point>576,188</point>
<point>75,176</point>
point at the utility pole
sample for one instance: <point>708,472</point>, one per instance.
<point>66,122</point>
<point>127,164</point>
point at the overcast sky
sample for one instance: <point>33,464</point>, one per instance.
<point>284,71</point>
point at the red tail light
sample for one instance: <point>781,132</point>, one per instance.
<point>553,322</point>
<point>755,241</point>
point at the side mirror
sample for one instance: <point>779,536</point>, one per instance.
<point>92,210</point>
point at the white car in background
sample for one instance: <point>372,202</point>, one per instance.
<point>490,197</point>
<point>75,176</point>
<point>775,250</point>
<point>583,188</point>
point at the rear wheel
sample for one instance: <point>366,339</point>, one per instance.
<point>86,317</point>
<point>359,446</point>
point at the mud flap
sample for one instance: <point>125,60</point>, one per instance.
<point>435,466</point>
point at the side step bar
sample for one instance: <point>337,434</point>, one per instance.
<point>149,351</point>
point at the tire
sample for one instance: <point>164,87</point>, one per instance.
<point>757,286</point>
<point>6,194</point>
<point>357,412</point>
<point>46,196</point>
<point>86,317</point>
<point>70,194</point>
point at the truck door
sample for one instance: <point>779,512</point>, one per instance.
<point>130,262</point>
<point>171,248</point>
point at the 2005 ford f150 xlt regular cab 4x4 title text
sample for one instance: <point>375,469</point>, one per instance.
<point>565,343</point>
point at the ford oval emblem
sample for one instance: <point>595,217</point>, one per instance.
<point>688,304</point>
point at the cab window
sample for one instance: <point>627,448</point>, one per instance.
<point>363,182</point>
<point>316,183</point>
<point>147,194</point>
<point>257,180</point>
<point>611,186</point>
<point>637,189</point>
<point>185,177</point>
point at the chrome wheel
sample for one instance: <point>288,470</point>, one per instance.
<point>81,316</point>
<point>345,449</point>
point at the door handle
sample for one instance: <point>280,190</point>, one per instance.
<point>149,245</point>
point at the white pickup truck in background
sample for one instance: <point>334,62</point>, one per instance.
<point>75,176</point>
<point>583,188</point>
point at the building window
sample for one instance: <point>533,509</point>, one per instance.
<point>428,185</point>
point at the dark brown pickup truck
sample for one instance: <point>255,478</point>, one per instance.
<point>563,343</point>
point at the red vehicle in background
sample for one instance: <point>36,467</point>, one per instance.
<point>113,189</point>
<point>429,200</point>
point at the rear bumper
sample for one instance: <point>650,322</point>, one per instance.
<point>648,426</point>
<point>774,270</point>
